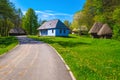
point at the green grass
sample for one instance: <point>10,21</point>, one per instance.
<point>7,43</point>
<point>89,59</point>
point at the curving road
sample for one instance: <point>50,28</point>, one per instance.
<point>32,60</point>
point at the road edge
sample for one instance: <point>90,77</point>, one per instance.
<point>68,68</point>
<point>10,50</point>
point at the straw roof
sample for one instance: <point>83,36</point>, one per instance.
<point>96,27</point>
<point>53,24</point>
<point>75,30</point>
<point>105,30</point>
<point>83,28</point>
<point>17,30</point>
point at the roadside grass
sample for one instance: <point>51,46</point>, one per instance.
<point>88,59</point>
<point>7,43</point>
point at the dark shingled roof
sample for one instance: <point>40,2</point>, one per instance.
<point>96,27</point>
<point>105,30</point>
<point>53,24</point>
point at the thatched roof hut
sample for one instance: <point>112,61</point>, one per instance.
<point>99,30</point>
<point>17,31</point>
<point>83,28</point>
<point>95,28</point>
<point>105,31</point>
<point>75,31</point>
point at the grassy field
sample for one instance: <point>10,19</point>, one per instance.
<point>7,43</point>
<point>89,59</point>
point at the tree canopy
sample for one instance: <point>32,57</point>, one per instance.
<point>9,17</point>
<point>29,22</point>
<point>67,23</point>
<point>105,11</point>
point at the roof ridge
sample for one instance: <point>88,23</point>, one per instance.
<point>56,23</point>
<point>53,20</point>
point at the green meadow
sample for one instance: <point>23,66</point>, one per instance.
<point>88,59</point>
<point>7,43</point>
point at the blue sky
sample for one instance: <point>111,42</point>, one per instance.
<point>51,9</point>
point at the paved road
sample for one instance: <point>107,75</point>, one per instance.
<point>32,60</point>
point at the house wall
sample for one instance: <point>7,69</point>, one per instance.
<point>61,32</point>
<point>51,32</point>
<point>54,32</point>
<point>43,32</point>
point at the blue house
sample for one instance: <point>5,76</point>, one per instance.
<point>53,28</point>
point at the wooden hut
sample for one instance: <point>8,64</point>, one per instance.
<point>17,31</point>
<point>83,30</point>
<point>75,31</point>
<point>105,31</point>
<point>95,29</point>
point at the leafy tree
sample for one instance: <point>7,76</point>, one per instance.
<point>7,13</point>
<point>41,22</point>
<point>18,18</point>
<point>116,18</point>
<point>105,11</point>
<point>29,22</point>
<point>67,23</point>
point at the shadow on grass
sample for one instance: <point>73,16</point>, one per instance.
<point>65,43</point>
<point>60,41</point>
<point>68,37</point>
<point>72,44</point>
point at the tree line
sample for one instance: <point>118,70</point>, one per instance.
<point>8,17</point>
<point>11,17</point>
<point>104,11</point>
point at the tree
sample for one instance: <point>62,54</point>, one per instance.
<point>105,11</point>
<point>79,20</point>
<point>116,18</point>
<point>18,18</point>
<point>7,13</point>
<point>41,22</point>
<point>29,22</point>
<point>67,23</point>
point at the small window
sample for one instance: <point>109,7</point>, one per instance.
<point>52,31</point>
<point>60,31</point>
<point>64,31</point>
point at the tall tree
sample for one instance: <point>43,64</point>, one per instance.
<point>7,12</point>
<point>18,18</point>
<point>29,22</point>
<point>116,18</point>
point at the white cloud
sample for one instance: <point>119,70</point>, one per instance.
<point>49,14</point>
<point>23,12</point>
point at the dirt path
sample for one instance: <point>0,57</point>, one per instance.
<point>32,60</point>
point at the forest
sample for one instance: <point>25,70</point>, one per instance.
<point>104,11</point>
<point>11,17</point>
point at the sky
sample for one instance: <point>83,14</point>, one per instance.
<point>51,9</point>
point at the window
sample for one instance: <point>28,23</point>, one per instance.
<point>52,30</point>
<point>60,31</point>
<point>64,31</point>
<point>45,31</point>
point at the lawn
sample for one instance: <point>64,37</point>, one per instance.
<point>88,59</point>
<point>7,43</point>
